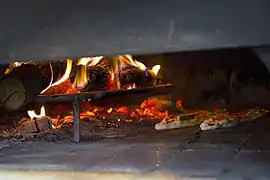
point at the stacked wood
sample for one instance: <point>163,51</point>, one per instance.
<point>23,83</point>
<point>100,76</point>
<point>21,86</point>
<point>141,78</point>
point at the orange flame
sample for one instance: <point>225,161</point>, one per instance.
<point>134,62</point>
<point>81,77</point>
<point>62,79</point>
<point>66,75</point>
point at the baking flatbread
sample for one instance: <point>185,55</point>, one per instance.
<point>180,121</point>
<point>218,119</point>
<point>228,120</point>
<point>212,124</point>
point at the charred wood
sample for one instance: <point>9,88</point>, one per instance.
<point>104,75</point>
<point>141,78</point>
<point>21,86</point>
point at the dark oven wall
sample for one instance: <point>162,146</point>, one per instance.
<point>232,78</point>
<point>52,30</point>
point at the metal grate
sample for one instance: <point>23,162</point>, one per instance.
<point>76,98</point>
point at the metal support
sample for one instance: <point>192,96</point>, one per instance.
<point>173,102</point>
<point>76,119</point>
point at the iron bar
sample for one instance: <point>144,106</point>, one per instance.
<point>173,102</point>
<point>155,90</point>
<point>76,98</point>
<point>76,119</point>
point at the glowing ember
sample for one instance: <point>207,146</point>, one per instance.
<point>109,110</point>
<point>122,109</point>
<point>151,108</point>
<point>33,115</point>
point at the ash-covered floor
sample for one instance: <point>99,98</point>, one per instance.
<point>242,152</point>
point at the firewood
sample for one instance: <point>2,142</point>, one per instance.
<point>141,78</point>
<point>21,86</point>
<point>99,76</point>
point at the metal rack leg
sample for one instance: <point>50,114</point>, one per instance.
<point>76,120</point>
<point>173,102</point>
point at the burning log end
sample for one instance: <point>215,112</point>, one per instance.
<point>141,78</point>
<point>90,78</point>
<point>20,87</point>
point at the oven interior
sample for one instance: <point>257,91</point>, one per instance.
<point>120,95</point>
<point>212,103</point>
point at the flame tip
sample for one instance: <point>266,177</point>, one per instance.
<point>156,69</point>
<point>33,115</point>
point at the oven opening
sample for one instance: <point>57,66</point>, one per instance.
<point>90,98</point>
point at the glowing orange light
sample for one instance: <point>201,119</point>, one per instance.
<point>156,69</point>
<point>109,110</point>
<point>66,74</point>
<point>33,115</point>
<point>131,86</point>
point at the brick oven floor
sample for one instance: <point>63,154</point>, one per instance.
<point>240,152</point>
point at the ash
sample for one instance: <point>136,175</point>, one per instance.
<point>90,130</point>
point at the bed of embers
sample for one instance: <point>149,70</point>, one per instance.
<point>118,122</point>
<point>54,122</point>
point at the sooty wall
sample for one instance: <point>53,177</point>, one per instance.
<point>232,78</point>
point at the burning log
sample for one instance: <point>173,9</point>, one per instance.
<point>92,77</point>
<point>111,73</point>
<point>20,86</point>
<point>141,78</point>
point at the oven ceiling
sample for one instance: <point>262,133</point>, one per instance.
<point>49,29</point>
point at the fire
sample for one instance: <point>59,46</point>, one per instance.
<point>81,77</point>
<point>109,110</point>
<point>156,69</point>
<point>66,75</point>
<point>90,61</point>
<point>116,65</point>
<point>33,115</point>
<point>111,68</point>
<point>132,86</point>
<point>135,63</point>
<point>81,70</point>
<point>63,78</point>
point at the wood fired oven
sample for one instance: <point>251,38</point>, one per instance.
<point>95,71</point>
